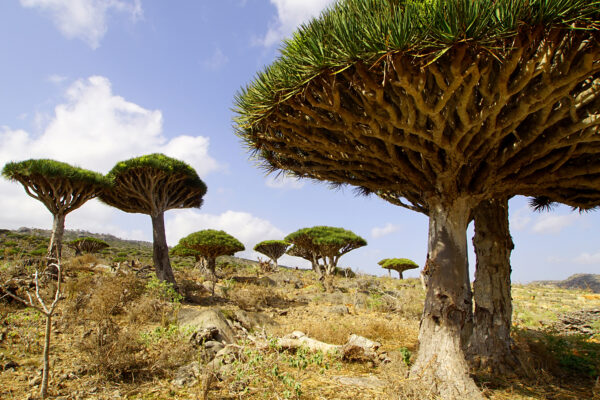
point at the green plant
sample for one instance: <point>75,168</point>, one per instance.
<point>575,354</point>
<point>405,354</point>
<point>163,290</point>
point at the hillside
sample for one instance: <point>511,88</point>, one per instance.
<point>285,334</point>
<point>589,282</point>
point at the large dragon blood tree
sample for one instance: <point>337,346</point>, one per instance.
<point>445,104</point>
<point>61,187</point>
<point>153,184</point>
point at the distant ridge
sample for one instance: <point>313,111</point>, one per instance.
<point>71,234</point>
<point>577,281</point>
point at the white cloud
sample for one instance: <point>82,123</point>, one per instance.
<point>588,259</point>
<point>93,129</point>
<point>283,181</point>
<point>550,223</point>
<point>520,219</point>
<point>84,19</point>
<point>245,227</point>
<point>389,228</point>
<point>290,14</point>
<point>216,60</point>
<point>56,79</point>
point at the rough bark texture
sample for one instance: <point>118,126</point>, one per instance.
<point>441,362</point>
<point>58,229</point>
<point>162,263</point>
<point>489,345</point>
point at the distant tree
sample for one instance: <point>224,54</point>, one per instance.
<point>272,249</point>
<point>153,184</point>
<point>87,245</point>
<point>61,187</point>
<point>398,264</point>
<point>329,243</point>
<point>210,244</point>
<point>312,256</point>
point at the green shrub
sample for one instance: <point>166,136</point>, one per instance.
<point>163,290</point>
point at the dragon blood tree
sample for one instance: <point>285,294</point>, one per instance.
<point>326,242</point>
<point>153,184</point>
<point>61,187</point>
<point>272,249</point>
<point>398,264</point>
<point>181,251</point>
<point>445,104</point>
<point>313,257</point>
<point>87,245</point>
<point>210,244</point>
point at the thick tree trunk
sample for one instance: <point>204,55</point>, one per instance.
<point>441,363</point>
<point>162,263</point>
<point>400,276</point>
<point>55,247</point>
<point>489,346</point>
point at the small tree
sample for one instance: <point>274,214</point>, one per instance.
<point>42,307</point>
<point>313,257</point>
<point>210,244</point>
<point>272,249</point>
<point>398,264</point>
<point>61,187</point>
<point>87,245</point>
<point>329,243</point>
<point>153,184</point>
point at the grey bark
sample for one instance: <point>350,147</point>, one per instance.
<point>55,246</point>
<point>212,266</point>
<point>46,357</point>
<point>441,363</point>
<point>490,344</point>
<point>162,263</point>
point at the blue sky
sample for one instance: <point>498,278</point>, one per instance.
<point>92,82</point>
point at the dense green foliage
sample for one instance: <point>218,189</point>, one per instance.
<point>372,30</point>
<point>51,169</point>
<point>398,264</point>
<point>182,251</point>
<point>159,162</point>
<point>320,236</point>
<point>88,245</point>
<point>211,243</point>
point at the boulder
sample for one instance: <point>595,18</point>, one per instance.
<point>252,320</point>
<point>201,320</point>
<point>187,375</point>
<point>359,348</point>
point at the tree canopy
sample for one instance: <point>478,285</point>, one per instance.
<point>273,249</point>
<point>212,243</point>
<point>152,184</point>
<point>87,245</point>
<point>398,264</point>
<point>326,242</point>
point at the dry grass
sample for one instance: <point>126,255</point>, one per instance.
<point>114,337</point>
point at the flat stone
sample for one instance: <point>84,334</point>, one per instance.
<point>202,319</point>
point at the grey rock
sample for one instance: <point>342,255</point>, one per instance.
<point>252,320</point>
<point>187,375</point>
<point>266,282</point>
<point>359,348</point>
<point>338,310</point>
<point>203,319</point>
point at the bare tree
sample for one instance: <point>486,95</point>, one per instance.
<point>40,305</point>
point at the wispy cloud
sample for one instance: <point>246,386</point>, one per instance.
<point>388,229</point>
<point>56,79</point>
<point>290,14</point>
<point>521,219</point>
<point>549,223</point>
<point>283,181</point>
<point>588,259</point>
<point>84,19</point>
<point>216,60</point>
